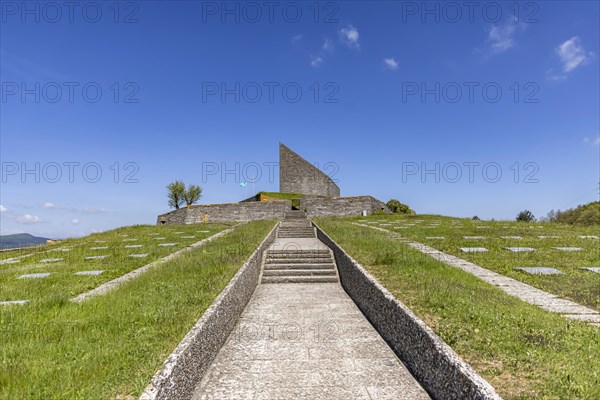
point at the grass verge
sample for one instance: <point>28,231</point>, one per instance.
<point>523,351</point>
<point>110,346</point>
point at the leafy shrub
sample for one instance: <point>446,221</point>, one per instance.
<point>525,216</point>
<point>398,208</point>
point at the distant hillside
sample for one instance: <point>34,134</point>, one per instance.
<point>587,214</point>
<point>20,240</point>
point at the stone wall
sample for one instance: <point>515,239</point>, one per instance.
<point>226,212</point>
<point>296,175</point>
<point>317,206</point>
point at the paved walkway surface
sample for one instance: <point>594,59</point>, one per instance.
<point>567,308</point>
<point>306,341</point>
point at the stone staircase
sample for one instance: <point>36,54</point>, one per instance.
<point>304,261</point>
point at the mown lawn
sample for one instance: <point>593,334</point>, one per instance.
<point>522,350</point>
<point>579,285</point>
<point>110,346</point>
<point>63,259</point>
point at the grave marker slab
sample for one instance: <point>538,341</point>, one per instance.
<point>50,260</point>
<point>9,261</point>
<point>511,237</point>
<point>9,302</point>
<point>99,248</point>
<point>129,240</point>
<point>473,249</point>
<point>159,238</point>
<point>64,249</point>
<point>153,234</point>
<point>167,244</point>
<point>35,276</point>
<point>177,233</point>
<point>133,246</point>
<point>473,237</point>
<point>94,272</point>
<point>588,237</point>
<point>99,241</point>
<point>540,270</point>
<point>435,237</point>
<point>568,248</point>
<point>519,249</point>
<point>592,269</point>
<point>549,237</point>
<point>202,231</point>
<point>188,237</point>
<point>95,257</point>
<point>138,255</point>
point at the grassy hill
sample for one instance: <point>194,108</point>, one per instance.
<point>20,240</point>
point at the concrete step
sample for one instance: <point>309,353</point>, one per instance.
<point>299,279</point>
<point>283,257</point>
<point>304,260</point>
<point>292,251</point>
<point>299,266</point>
<point>299,272</point>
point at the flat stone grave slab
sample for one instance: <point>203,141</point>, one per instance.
<point>65,249</point>
<point>94,272</point>
<point>9,302</point>
<point>473,237</point>
<point>549,237</point>
<point>124,235</point>
<point>9,261</point>
<point>435,237</point>
<point>99,248</point>
<point>592,269</point>
<point>540,270</point>
<point>133,246</point>
<point>188,237</point>
<point>481,227</point>
<point>473,249</point>
<point>202,231</point>
<point>95,257</point>
<point>568,248</point>
<point>153,234</point>
<point>99,241</point>
<point>520,249</point>
<point>511,237</point>
<point>129,240</point>
<point>588,237</point>
<point>51,260</point>
<point>177,233</point>
<point>159,238</point>
<point>385,224</point>
<point>138,255</point>
<point>35,276</point>
<point>167,244</point>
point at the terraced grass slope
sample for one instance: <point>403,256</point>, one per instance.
<point>522,350</point>
<point>109,347</point>
<point>451,234</point>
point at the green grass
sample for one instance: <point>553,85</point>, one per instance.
<point>522,350</point>
<point>62,283</point>
<point>283,196</point>
<point>578,285</point>
<point>110,346</point>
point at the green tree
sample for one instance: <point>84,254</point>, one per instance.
<point>525,216</point>
<point>176,194</point>
<point>192,194</point>
<point>398,208</point>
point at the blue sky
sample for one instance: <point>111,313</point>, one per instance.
<point>484,111</point>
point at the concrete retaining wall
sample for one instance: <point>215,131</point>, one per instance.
<point>317,206</point>
<point>431,361</point>
<point>226,212</point>
<point>184,368</point>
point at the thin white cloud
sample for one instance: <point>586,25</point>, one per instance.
<point>315,61</point>
<point>328,45</point>
<point>48,205</point>
<point>3,209</point>
<point>297,38</point>
<point>75,221</point>
<point>502,37</point>
<point>572,54</point>
<point>28,219</point>
<point>90,210</point>
<point>350,36</point>
<point>390,63</point>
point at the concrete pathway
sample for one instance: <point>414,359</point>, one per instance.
<point>567,308</point>
<point>305,341</point>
